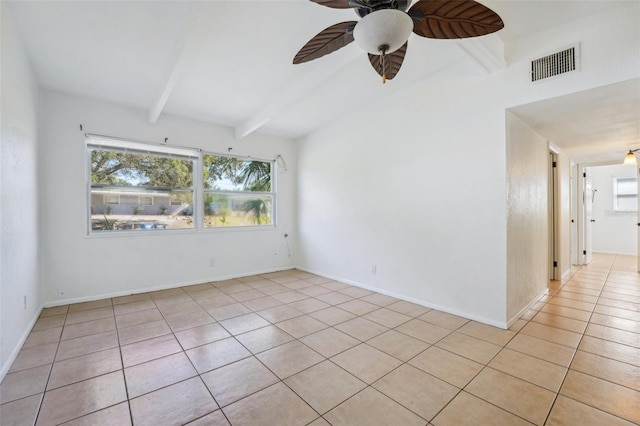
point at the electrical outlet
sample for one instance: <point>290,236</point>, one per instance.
<point>374,270</point>
<point>60,293</point>
<point>25,302</point>
<point>212,262</point>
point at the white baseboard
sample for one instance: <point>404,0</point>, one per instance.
<point>14,354</point>
<point>517,316</point>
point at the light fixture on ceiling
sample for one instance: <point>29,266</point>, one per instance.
<point>630,158</point>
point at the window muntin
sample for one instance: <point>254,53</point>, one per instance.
<point>625,194</point>
<point>154,186</point>
<point>237,191</point>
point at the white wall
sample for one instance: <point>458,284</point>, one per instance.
<point>527,215</point>
<point>417,184</point>
<point>613,232</point>
<point>564,215</point>
<point>86,267</point>
<point>19,205</point>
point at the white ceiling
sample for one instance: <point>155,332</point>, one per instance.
<point>230,62</point>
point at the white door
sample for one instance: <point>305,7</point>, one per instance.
<point>588,215</point>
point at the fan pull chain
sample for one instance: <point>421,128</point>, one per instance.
<point>383,53</point>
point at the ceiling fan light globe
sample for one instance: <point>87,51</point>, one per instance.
<point>386,27</point>
<point>630,159</point>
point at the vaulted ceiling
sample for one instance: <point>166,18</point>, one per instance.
<point>230,62</point>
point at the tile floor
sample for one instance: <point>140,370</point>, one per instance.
<point>291,348</point>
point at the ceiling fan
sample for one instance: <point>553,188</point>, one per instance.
<point>387,24</point>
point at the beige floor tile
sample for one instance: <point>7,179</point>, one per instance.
<point>156,374</point>
<point>486,332</point>
<point>226,312</point>
<point>614,335</point>
<point>234,381</point>
<point>366,363</point>
<point>467,410</point>
<point>140,305</point>
<point>611,350</point>
<point>309,305</point>
<point>290,296</point>
<point>362,329</point>
<point>512,394</point>
<point>469,347</point>
<point>617,312</point>
<point>424,331</point>
<point>212,419</point>
<point>20,412</point>
<point>324,386</point>
<point>144,331</point>
<point>34,357</point>
<point>89,315</point>
<point>566,312</point>
<point>416,390</point>
<point>185,320</point>
<point>552,334</point>
<point>243,296</point>
<point>58,310</point>
<point>577,296</point>
<point>315,291</point>
<point>76,400</point>
<point>517,326</point>
<point>76,307</point>
<point>319,422</point>
<point>43,337</point>
<point>608,369</point>
<point>86,345</point>
<point>210,303</point>
<point>447,366</point>
<point>568,412</point>
<point>147,350</point>
<point>261,303</point>
<point>380,299</point>
<point>548,351</point>
<point>334,298</point>
<point>301,326</point>
<point>622,304</point>
<point>173,405</point>
<point>115,415</point>
<point>329,342</point>
<point>201,335</point>
<point>176,308</point>
<point>234,288</point>
<point>560,322</point>
<point>24,383</point>
<point>88,327</point>
<point>51,321</point>
<point>387,317</point>
<point>335,285</point>
<point>443,319</point>
<point>244,323</point>
<point>408,308</point>
<point>274,289</point>
<point>358,307</point>
<point>266,408</point>
<point>136,318</point>
<point>534,370</point>
<point>372,408</point>
<point>172,300</point>
<point>606,396</point>
<point>279,313</point>
<point>615,322</point>
<point>84,367</point>
<point>356,292</point>
<point>289,359</point>
<point>332,316</point>
<point>130,298</point>
<point>264,338</point>
<point>217,354</point>
<point>398,345</point>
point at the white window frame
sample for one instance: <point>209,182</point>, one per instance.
<point>141,197</point>
<point>617,195</point>
<point>93,142</point>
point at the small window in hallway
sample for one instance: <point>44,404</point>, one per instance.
<point>625,194</point>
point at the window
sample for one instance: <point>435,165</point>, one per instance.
<point>127,177</point>
<point>237,191</point>
<point>625,194</point>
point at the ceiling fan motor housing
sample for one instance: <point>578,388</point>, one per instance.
<point>373,5</point>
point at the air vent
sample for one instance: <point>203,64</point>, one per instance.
<point>555,63</point>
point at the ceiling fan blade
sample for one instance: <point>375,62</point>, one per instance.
<point>451,19</point>
<point>392,62</point>
<point>335,4</point>
<point>327,41</point>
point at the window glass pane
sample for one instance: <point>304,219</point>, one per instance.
<point>236,174</point>
<point>237,209</point>
<point>140,191</point>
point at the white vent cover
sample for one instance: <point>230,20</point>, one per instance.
<point>556,63</point>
